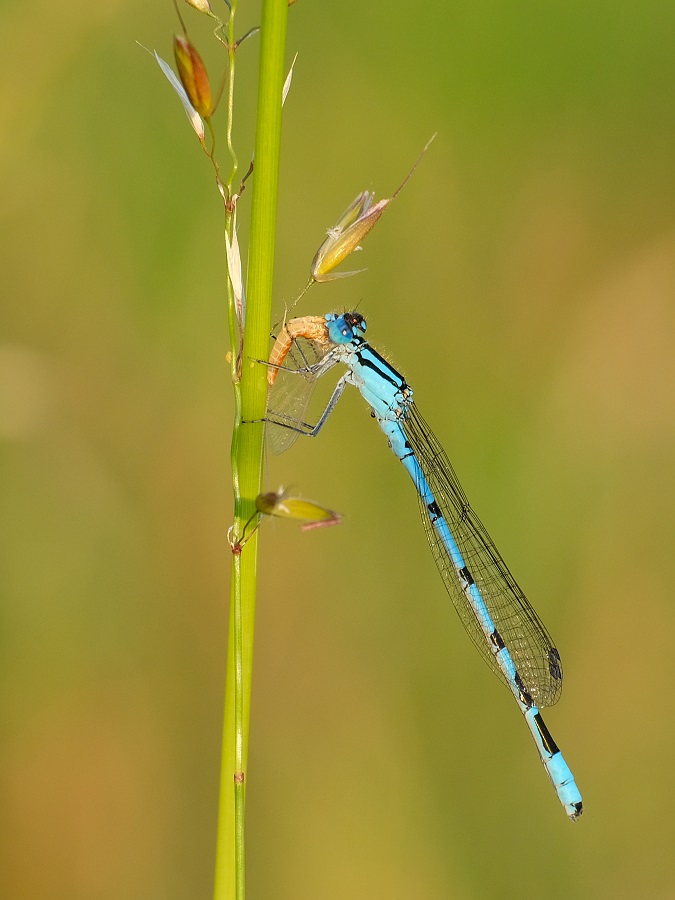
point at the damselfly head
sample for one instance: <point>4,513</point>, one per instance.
<point>344,328</point>
<point>356,321</point>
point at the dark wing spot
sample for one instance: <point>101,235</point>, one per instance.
<point>554,665</point>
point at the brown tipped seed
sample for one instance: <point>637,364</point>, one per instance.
<point>193,75</point>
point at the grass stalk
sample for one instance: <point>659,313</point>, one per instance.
<point>247,455</point>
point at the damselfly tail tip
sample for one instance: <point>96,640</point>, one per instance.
<point>574,810</point>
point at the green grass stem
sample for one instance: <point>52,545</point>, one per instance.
<point>247,454</point>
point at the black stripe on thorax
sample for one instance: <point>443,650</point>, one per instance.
<point>371,359</point>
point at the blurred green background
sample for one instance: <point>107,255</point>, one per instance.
<point>524,282</point>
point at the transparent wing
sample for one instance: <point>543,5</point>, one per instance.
<point>528,642</point>
<point>291,394</point>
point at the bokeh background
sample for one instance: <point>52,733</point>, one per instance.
<point>524,282</point>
